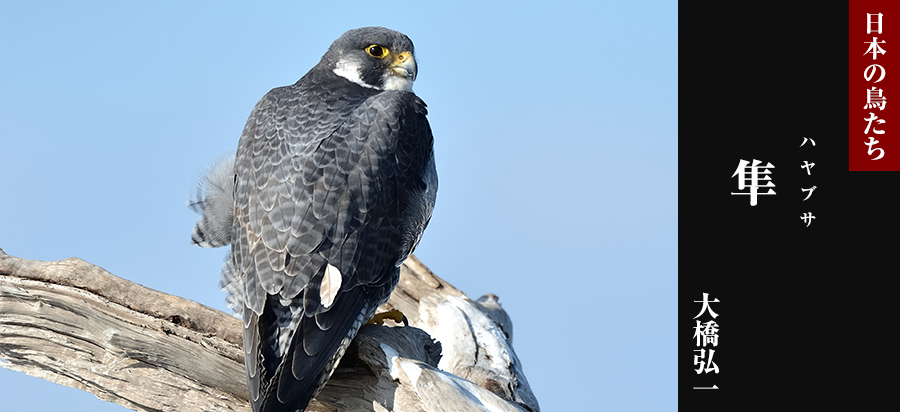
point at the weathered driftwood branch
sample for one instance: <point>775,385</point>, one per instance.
<point>76,324</point>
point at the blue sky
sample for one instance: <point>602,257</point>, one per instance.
<point>555,136</point>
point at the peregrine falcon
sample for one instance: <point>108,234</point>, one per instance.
<point>333,184</point>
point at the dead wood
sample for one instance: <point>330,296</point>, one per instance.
<point>75,324</point>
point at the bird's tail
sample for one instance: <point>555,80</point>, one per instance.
<point>317,345</point>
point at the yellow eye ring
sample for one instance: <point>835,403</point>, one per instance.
<point>377,51</point>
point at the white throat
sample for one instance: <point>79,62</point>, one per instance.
<point>397,82</point>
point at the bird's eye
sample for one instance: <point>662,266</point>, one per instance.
<point>377,51</point>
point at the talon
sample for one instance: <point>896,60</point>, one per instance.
<point>395,315</point>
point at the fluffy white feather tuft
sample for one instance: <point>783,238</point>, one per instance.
<point>214,200</point>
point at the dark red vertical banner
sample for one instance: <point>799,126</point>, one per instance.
<point>869,68</point>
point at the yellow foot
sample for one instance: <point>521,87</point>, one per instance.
<point>395,315</point>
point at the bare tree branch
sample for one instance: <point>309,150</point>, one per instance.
<point>75,324</point>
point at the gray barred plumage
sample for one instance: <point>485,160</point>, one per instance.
<point>333,184</point>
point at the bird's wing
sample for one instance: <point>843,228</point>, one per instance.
<point>321,189</point>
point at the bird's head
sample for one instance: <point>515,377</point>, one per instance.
<point>373,57</point>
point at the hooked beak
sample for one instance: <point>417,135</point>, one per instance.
<point>404,65</point>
